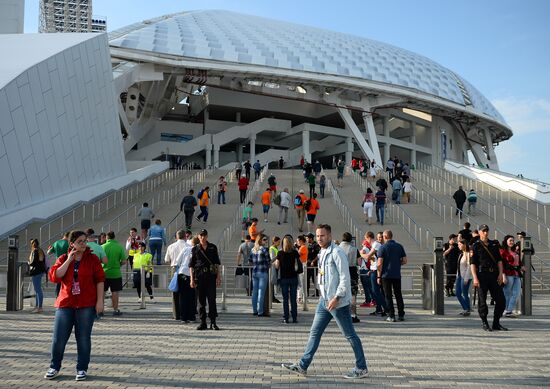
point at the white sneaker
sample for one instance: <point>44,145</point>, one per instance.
<point>152,300</point>
<point>81,375</point>
<point>51,374</point>
<point>295,368</point>
<point>356,373</point>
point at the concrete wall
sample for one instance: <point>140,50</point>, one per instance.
<point>59,128</point>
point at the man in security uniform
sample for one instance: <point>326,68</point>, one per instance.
<point>488,274</point>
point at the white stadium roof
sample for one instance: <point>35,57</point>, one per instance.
<point>235,39</point>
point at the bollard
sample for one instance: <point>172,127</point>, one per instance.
<point>12,281</point>
<point>527,293</point>
<point>142,282</point>
<point>304,289</point>
<point>427,282</point>
<point>438,279</point>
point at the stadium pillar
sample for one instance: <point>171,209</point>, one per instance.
<point>216,154</point>
<point>305,145</point>
<point>239,152</point>
<point>349,150</point>
<point>252,149</point>
<point>413,141</point>
<point>208,158</point>
<point>386,128</point>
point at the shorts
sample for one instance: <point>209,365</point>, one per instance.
<point>340,175</point>
<point>145,224</point>
<point>265,208</point>
<point>311,217</point>
<point>115,284</point>
<point>354,280</point>
<point>273,188</point>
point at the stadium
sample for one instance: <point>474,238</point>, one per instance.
<point>209,88</point>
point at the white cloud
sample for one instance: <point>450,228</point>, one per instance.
<point>525,115</point>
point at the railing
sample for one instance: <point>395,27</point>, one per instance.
<point>345,212</point>
<point>488,208</point>
<point>502,197</point>
<point>53,229</point>
<point>226,235</point>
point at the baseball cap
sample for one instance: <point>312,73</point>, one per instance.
<point>301,191</point>
<point>203,232</point>
<point>522,233</point>
<point>483,227</point>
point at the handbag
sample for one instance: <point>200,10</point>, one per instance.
<point>173,285</point>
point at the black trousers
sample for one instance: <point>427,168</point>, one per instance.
<point>393,284</point>
<point>188,217</point>
<point>459,207</point>
<point>243,195</point>
<point>311,280</point>
<point>206,290</point>
<point>187,299</point>
<point>488,282</point>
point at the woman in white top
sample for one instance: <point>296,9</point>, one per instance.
<point>464,277</point>
<point>368,205</point>
<point>373,170</point>
<point>407,189</point>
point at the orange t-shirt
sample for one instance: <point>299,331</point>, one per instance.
<point>253,232</point>
<point>304,198</point>
<point>303,253</point>
<point>266,198</point>
<point>313,207</point>
<point>203,202</point>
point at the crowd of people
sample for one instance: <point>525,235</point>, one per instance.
<point>89,265</point>
<point>471,258</point>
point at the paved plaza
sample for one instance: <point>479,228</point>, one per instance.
<point>146,349</point>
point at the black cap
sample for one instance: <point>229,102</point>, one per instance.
<point>483,227</point>
<point>522,233</point>
<point>203,232</point>
<point>310,235</point>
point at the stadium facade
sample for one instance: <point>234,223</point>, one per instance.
<point>214,87</point>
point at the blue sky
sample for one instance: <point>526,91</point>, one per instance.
<point>502,47</point>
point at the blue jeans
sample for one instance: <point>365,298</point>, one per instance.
<point>82,320</point>
<point>365,281</point>
<point>289,285</point>
<point>380,213</point>
<point>37,284</point>
<point>156,249</point>
<point>377,293</point>
<point>343,319</point>
<point>259,287</point>
<point>463,293</point>
<point>221,197</point>
<point>203,214</point>
<point>512,291</point>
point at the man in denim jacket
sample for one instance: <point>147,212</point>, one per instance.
<point>334,302</point>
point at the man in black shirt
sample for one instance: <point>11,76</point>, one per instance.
<point>247,165</point>
<point>488,274</point>
<point>188,205</point>
<point>460,198</point>
<point>451,254</point>
<point>466,233</point>
<point>204,268</point>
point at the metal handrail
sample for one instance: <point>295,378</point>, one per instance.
<point>447,188</point>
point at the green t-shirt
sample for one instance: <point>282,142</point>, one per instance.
<point>97,249</point>
<point>247,213</point>
<point>311,180</point>
<point>60,247</point>
<point>116,255</point>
